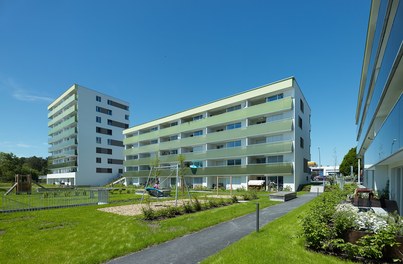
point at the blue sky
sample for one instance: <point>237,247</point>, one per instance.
<point>165,56</point>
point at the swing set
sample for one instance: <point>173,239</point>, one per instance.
<point>161,188</point>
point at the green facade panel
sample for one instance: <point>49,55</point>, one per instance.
<point>251,150</point>
<point>66,102</point>
<point>278,169</point>
<point>63,165</point>
<point>66,133</point>
<point>267,108</point>
<point>66,123</point>
<point>68,112</point>
<point>227,135</point>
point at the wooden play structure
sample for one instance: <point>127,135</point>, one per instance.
<point>23,184</point>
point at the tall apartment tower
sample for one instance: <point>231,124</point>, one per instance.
<point>379,114</point>
<point>85,137</point>
<point>261,134</point>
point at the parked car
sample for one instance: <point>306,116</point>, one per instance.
<point>319,178</point>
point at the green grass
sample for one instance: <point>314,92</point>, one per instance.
<point>87,235</point>
<point>279,241</point>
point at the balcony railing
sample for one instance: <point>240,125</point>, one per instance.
<point>274,169</point>
<point>266,108</point>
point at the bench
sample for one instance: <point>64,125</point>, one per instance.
<point>282,196</point>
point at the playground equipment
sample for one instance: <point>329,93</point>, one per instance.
<point>156,191</point>
<point>23,184</point>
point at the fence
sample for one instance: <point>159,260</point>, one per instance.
<point>53,199</point>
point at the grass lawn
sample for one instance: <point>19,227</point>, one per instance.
<point>278,242</point>
<point>86,235</point>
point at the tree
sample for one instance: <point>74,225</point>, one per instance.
<point>182,171</point>
<point>350,159</point>
<point>10,165</point>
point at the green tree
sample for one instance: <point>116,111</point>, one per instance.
<point>9,166</point>
<point>350,159</point>
<point>182,171</point>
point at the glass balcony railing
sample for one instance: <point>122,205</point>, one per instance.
<point>281,105</point>
<point>66,102</point>
<point>69,111</point>
<point>275,169</point>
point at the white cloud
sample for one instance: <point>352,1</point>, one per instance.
<point>21,94</point>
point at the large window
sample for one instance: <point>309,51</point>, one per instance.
<point>233,108</point>
<point>234,162</point>
<point>104,151</point>
<point>103,110</point>
<point>104,170</point>
<point>197,133</point>
<point>300,122</point>
<point>301,105</point>
<point>275,159</point>
<point>234,144</point>
<point>274,97</point>
<point>234,126</point>
<point>103,131</point>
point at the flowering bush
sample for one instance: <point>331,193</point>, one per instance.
<point>328,221</point>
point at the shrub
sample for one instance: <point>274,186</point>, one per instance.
<point>197,205</point>
<point>234,199</point>
<point>149,213</point>
<point>187,208</point>
<point>212,203</point>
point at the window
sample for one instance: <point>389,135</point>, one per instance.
<point>234,144</point>
<point>233,108</point>
<point>198,117</point>
<point>115,161</point>
<point>274,118</point>
<point>98,119</point>
<point>98,160</point>
<point>103,110</point>
<point>275,159</point>
<point>117,124</point>
<point>234,126</point>
<point>301,105</point>
<point>275,138</point>
<point>104,151</point>
<point>120,170</point>
<point>98,98</point>
<point>105,131</point>
<point>173,124</point>
<point>198,149</point>
<point>300,122</point>
<point>198,164</point>
<point>197,133</point>
<point>104,170</point>
<point>274,97</point>
<point>99,140</point>
<point>118,105</point>
<point>117,143</point>
<point>127,117</point>
<point>260,160</point>
<point>234,162</point>
<point>301,142</point>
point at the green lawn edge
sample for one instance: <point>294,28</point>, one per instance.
<point>280,241</point>
<point>87,235</point>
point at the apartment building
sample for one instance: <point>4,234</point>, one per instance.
<point>379,114</point>
<point>261,134</point>
<point>85,137</point>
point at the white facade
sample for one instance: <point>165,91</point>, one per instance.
<point>86,141</point>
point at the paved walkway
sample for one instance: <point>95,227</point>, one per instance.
<point>195,247</point>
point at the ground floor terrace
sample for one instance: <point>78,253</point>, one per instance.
<point>386,178</point>
<point>227,182</point>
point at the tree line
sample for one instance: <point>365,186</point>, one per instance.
<point>10,165</point>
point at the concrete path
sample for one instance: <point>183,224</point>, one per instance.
<point>195,247</point>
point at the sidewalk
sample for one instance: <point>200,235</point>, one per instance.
<point>195,247</point>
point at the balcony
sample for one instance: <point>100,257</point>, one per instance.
<point>66,102</point>
<point>277,169</point>
<point>63,145</point>
<point>65,113</point>
<point>281,105</point>
<point>68,122</point>
<point>66,133</point>
<point>63,165</point>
